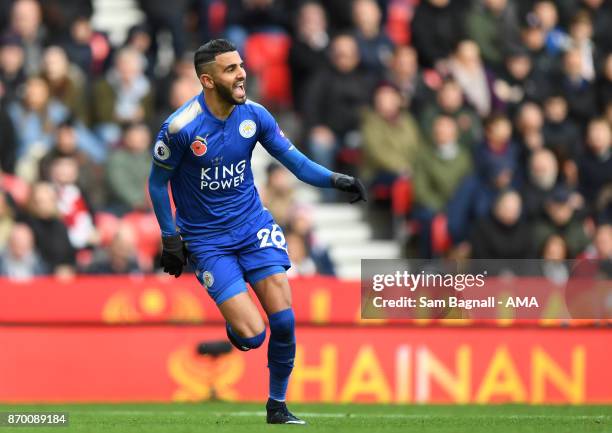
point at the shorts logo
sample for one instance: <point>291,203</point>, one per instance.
<point>247,128</point>
<point>198,147</point>
<point>161,151</point>
<point>208,279</point>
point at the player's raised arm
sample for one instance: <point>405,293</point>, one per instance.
<point>275,142</point>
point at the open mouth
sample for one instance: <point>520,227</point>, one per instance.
<point>239,89</point>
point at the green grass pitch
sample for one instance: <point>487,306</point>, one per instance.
<point>336,418</point>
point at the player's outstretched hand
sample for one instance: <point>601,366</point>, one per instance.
<point>173,255</point>
<point>350,184</point>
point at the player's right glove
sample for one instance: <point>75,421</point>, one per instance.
<point>350,184</point>
<point>173,256</point>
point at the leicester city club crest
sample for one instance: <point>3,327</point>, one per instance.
<point>247,128</point>
<point>208,279</point>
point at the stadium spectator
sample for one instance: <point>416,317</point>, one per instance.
<point>581,32</point>
<point>249,16</point>
<point>601,14</point>
<point>7,219</point>
<point>8,140</point>
<point>475,80</point>
<point>277,194</point>
<point>560,218</point>
<point>561,134</point>
<point>50,233</point>
<point>139,38</point>
<point>545,14</point>
<point>542,175</point>
<point>554,252</point>
<point>602,242</point>
<point>533,37</point>
<point>595,165</point>
<point>498,154</point>
<point>436,27</point>
<point>404,73</point>
<point>438,171</point>
<point>119,257</point>
<point>519,82</point>
<point>168,98</point>
<point>12,71</point>
<point>301,263</point>
<point>528,133</point>
<point>161,17</point>
<point>72,202</point>
<point>503,234</point>
<point>127,170</point>
<point>182,89</point>
<point>604,83</point>
<point>308,52</point>
<point>301,223</point>
<point>26,22</point>
<point>340,15</point>
<point>35,118</point>
<point>449,101</point>
<point>391,138</point>
<point>578,91</point>
<point>20,261</point>
<point>496,160</point>
<point>125,95</point>
<point>493,25</point>
<point>66,143</point>
<point>65,83</point>
<point>333,102</point>
<point>375,47</point>
<point>554,249</point>
<point>59,15</point>
<point>90,50</point>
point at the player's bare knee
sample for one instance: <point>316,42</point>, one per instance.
<point>278,286</point>
<point>249,329</point>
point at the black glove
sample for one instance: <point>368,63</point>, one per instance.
<point>350,184</point>
<point>173,256</point>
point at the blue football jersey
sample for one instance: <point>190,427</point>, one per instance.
<point>212,181</point>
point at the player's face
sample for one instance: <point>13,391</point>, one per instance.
<point>230,77</point>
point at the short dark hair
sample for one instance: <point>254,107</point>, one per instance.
<point>207,53</point>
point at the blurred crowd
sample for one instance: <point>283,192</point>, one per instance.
<point>483,128</point>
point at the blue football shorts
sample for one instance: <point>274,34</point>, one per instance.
<point>250,252</point>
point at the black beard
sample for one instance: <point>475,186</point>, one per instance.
<point>226,94</point>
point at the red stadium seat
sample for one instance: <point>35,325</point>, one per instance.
<point>217,12</point>
<point>266,56</point>
<point>399,17</point>
<point>17,188</point>
<point>147,236</point>
<point>107,225</point>
<point>402,196</point>
<point>440,237</point>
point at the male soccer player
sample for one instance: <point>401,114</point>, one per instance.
<point>204,150</point>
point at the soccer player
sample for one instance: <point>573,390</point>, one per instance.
<point>204,150</point>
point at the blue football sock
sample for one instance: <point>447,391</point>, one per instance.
<point>281,352</point>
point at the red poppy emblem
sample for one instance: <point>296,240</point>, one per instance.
<point>198,148</point>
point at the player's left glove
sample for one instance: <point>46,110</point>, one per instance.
<point>350,184</point>
<point>173,255</point>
